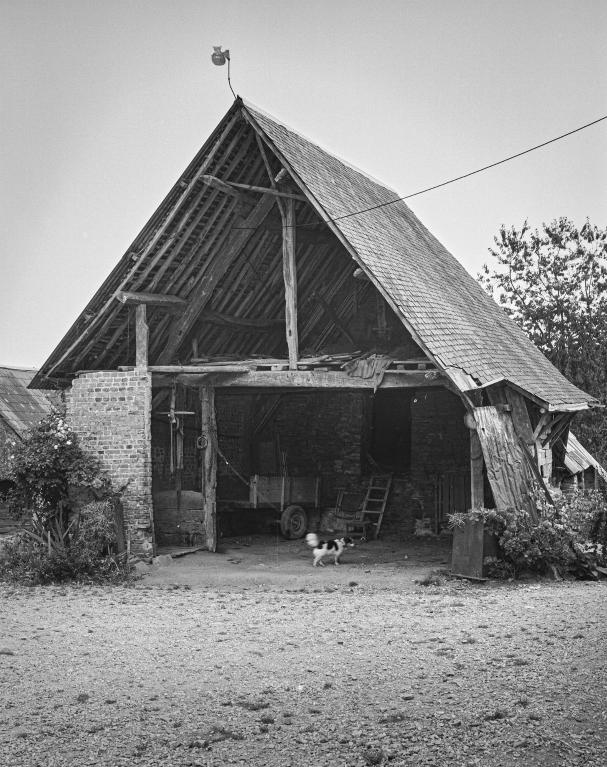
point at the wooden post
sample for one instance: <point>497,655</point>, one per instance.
<point>209,464</point>
<point>141,337</point>
<point>290,278</point>
<point>477,485</point>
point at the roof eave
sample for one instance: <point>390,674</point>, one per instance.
<point>550,407</point>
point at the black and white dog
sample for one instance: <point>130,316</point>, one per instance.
<point>321,548</point>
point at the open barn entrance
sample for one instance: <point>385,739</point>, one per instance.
<point>310,450</point>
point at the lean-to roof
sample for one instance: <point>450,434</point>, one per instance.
<point>21,408</point>
<point>446,311</point>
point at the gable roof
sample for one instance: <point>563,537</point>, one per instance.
<point>446,311</point>
<point>21,408</point>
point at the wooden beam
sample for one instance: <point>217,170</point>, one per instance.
<point>340,236</point>
<point>477,483</point>
<point>209,465</point>
<point>290,278</point>
<point>520,416</point>
<point>173,245</point>
<point>220,265</point>
<point>268,168</point>
<point>219,185</point>
<point>202,369</point>
<point>156,236</point>
<point>173,303</point>
<point>232,188</point>
<point>541,425</point>
<point>141,337</point>
<point>244,324</point>
<point>332,315</point>
<point>291,379</point>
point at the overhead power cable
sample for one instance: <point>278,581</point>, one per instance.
<point>451,180</point>
<point>471,173</point>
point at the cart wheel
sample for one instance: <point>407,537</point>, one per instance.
<point>293,522</point>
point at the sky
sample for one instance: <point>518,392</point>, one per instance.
<point>105,102</point>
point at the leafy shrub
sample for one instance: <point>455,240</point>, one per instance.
<point>52,478</point>
<point>49,465</point>
<point>569,535</point>
<point>91,556</point>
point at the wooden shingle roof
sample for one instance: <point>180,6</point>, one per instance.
<point>444,309</point>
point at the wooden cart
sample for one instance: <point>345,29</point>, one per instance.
<point>289,499</point>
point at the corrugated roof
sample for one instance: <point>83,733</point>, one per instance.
<point>459,324</point>
<point>578,459</point>
<point>21,408</point>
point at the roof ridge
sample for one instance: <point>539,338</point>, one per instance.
<point>249,105</point>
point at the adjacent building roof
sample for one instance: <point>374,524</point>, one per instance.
<point>21,408</point>
<point>578,459</point>
<point>446,311</point>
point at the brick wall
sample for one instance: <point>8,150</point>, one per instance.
<point>110,412</point>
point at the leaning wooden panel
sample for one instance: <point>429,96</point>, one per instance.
<point>507,467</point>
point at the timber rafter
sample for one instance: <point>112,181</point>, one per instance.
<point>210,269</point>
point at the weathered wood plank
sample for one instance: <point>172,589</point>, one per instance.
<point>332,315</point>
<point>467,552</point>
<point>290,279</point>
<point>221,264</point>
<point>142,333</point>
<point>232,188</point>
<point>290,379</point>
<point>202,369</point>
<point>477,484</point>
<point>151,299</point>
<point>244,324</point>
<point>508,469</point>
<point>151,243</point>
<point>520,416</point>
<point>209,465</point>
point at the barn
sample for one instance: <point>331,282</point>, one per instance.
<point>284,342</point>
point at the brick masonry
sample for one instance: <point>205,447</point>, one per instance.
<point>110,411</point>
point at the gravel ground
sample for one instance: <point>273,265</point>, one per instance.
<point>259,659</point>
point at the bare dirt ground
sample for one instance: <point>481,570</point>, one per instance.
<point>250,656</point>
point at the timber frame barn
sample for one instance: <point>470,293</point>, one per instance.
<point>283,315</point>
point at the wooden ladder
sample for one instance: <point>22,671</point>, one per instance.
<point>374,504</point>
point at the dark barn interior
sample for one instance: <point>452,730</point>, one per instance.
<point>339,438</point>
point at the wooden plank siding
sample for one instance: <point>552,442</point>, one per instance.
<point>508,469</point>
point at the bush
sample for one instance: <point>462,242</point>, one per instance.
<point>49,465</point>
<point>569,535</point>
<point>31,559</point>
<point>68,504</point>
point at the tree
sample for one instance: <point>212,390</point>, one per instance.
<point>553,283</point>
